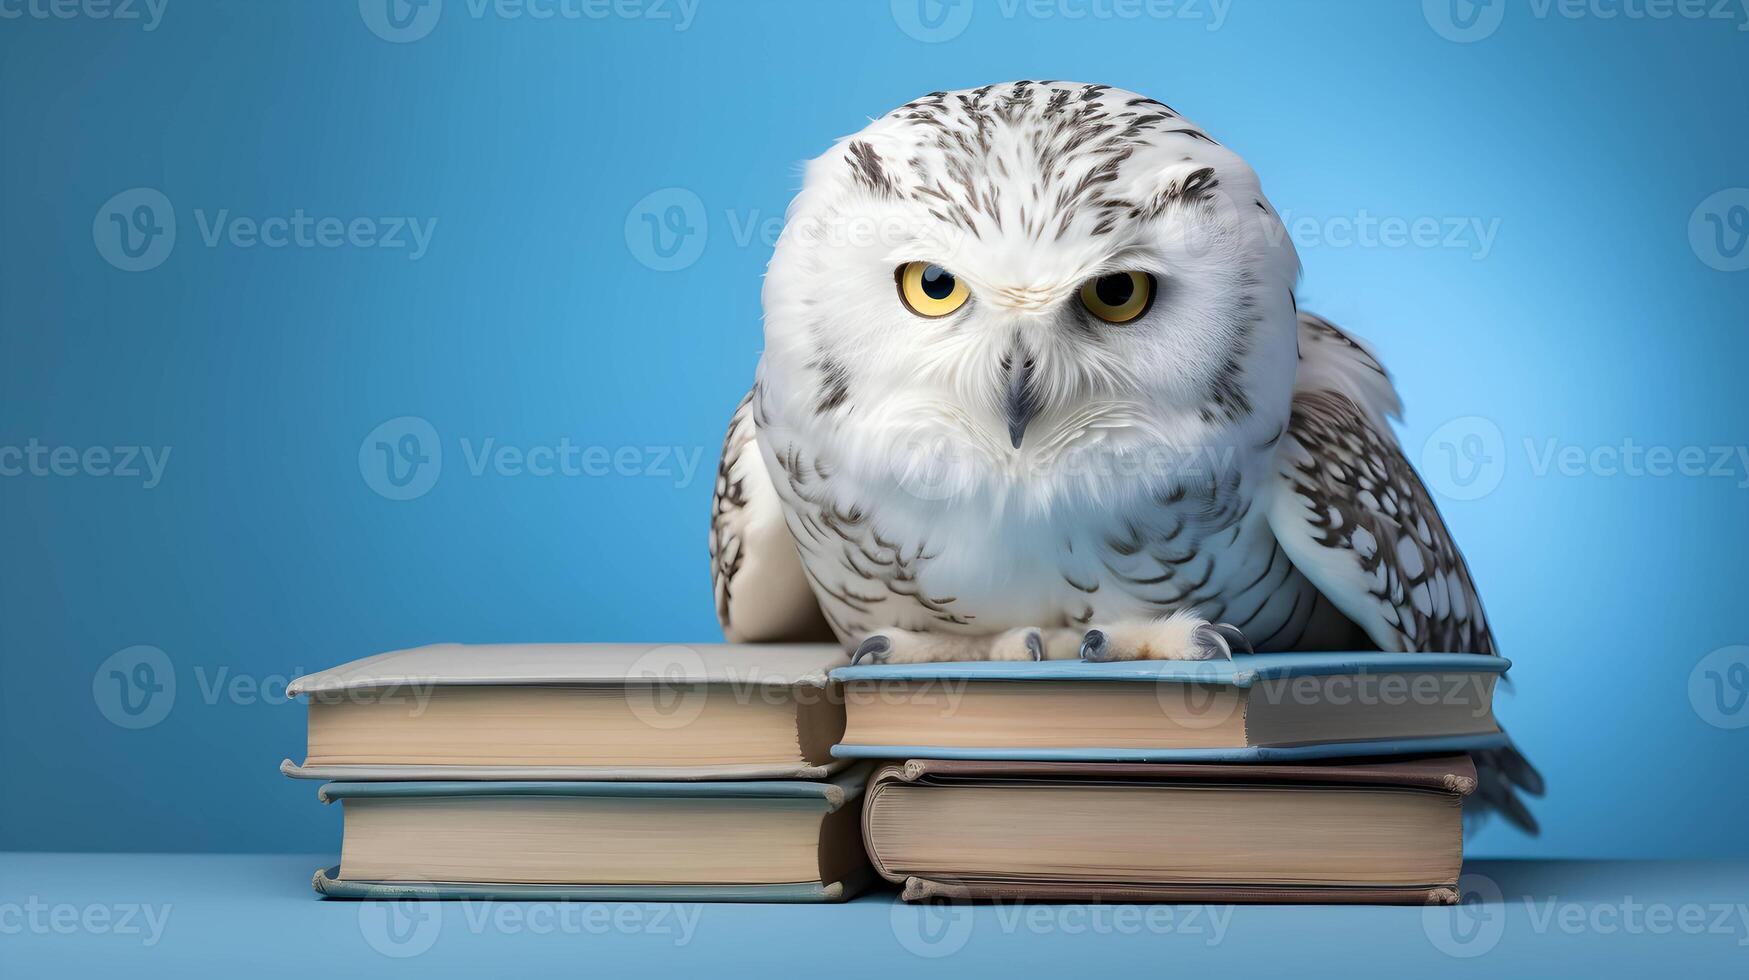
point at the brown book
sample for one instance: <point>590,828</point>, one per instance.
<point>588,711</point>
<point>1358,831</point>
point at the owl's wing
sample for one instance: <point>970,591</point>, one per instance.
<point>1357,521</point>
<point>762,593</point>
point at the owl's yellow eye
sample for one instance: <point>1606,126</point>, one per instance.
<point>929,290</point>
<point>1119,297</point>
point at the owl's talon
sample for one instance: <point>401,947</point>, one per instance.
<point>1232,634</point>
<point>1035,645</point>
<point>1211,641</point>
<point>1095,647</point>
<point>876,648</point>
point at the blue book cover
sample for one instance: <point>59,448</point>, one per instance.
<point>1278,707</point>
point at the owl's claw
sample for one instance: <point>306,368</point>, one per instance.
<point>1231,635</point>
<point>876,648</point>
<point>1213,641</point>
<point>1095,647</point>
<point>1180,636</point>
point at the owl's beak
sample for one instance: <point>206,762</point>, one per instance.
<point>1020,404</point>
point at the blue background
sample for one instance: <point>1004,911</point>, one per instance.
<point>534,316</point>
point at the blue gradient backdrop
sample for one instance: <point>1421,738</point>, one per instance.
<point>1587,316</point>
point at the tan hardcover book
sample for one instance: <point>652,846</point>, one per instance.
<point>584,711</point>
<point>1357,832</point>
<point>788,840</point>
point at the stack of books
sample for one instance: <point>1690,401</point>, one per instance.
<point>774,773</point>
<point>587,772</point>
<point>1269,778</point>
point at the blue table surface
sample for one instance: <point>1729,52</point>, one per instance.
<point>122,915</point>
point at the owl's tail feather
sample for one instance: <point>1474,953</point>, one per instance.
<point>1500,775</point>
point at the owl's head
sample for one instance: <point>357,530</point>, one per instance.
<point>1043,279</point>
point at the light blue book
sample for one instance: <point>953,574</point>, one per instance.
<point>1275,707</point>
<point>694,841</point>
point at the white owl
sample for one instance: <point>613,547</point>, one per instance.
<point>1035,385</point>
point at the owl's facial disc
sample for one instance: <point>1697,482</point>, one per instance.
<point>1035,275</point>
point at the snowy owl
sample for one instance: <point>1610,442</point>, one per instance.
<point>1035,385</point>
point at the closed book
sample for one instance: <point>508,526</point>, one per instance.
<point>582,711</point>
<point>1359,832</point>
<point>737,840</point>
<point>1280,707</point>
